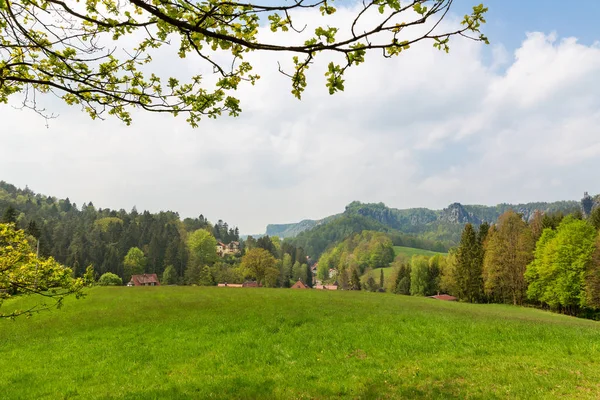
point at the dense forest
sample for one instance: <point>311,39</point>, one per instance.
<point>79,236</point>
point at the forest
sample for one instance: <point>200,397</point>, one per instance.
<point>546,259</point>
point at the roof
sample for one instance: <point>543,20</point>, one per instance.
<point>299,285</point>
<point>140,280</point>
<point>445,297</point>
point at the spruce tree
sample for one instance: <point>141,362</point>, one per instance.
<point>309,276</point>
<point>10,215</point>
<point>381,278</point>
<point>468,272</point>
<point>354,280</point>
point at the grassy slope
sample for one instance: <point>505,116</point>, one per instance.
<point>410,251</point>
<point>192,342</point>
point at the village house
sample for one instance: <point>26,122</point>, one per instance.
<point>144,280</point>
<point>326,287</point>
<point>225,249</point>
<point>299,285</point>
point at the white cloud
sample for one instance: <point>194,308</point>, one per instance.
<point>424,129</point>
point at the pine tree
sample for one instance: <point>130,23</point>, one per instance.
<point>468,272</point>
<point>381,278</point>
<point>355,280</point>
<point>10,215</point>
<point>343,278</point>
<point>309,276</point>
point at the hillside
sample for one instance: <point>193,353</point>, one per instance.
<point>82,235</point>
<point>193,342</point>
<point>436,230</point>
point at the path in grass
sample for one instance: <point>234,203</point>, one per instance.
<point>193,342</point>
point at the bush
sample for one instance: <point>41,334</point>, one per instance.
<point>110,279</point>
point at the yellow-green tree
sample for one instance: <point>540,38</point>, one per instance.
<point>72,58</point>
<point>562,259</point>
<point>22,272</point>
<point>203,248</point>
<point>257,262</point>
<point>134,263</point>
<point>509,249</point>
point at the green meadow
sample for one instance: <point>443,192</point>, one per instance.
<point>209,342</point>
<point>411,251</point>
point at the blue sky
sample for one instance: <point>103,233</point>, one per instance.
<point>513,122</point>
<point>508,20</point>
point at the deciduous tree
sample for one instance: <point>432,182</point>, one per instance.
<point>203,248</point>
<point>80,61</point>
<point>21,272</point>
<point>256,262</point>
<point>134,263</point>
<point>562,258</point>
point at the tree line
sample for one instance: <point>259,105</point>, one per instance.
<point>81,236</point>
<point>551,261</point>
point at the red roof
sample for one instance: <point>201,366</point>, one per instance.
<point>145,280</point>
<point>445,297</point>
<point>299,285</point>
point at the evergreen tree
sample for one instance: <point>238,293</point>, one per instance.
<point>33,230</point>
<point>10,215</point>
<point>468,271</point>
<point>309,276</point>
<point>343,278</point>
<point>381,282</point>
<point>355,280</point>
<point>370,284</point>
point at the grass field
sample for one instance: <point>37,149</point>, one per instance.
<point>411,251</point>
<point>195,343</point>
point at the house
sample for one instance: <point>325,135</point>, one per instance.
<point>332,272</point>
<point>229,284</point>
<point>144,280</point>
<point>326,287</point>
<point>299,285</point>
<point>225,249</point>
<point>445,297</point>
<point>250,284</point>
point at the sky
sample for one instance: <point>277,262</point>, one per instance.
<point>515,121</point>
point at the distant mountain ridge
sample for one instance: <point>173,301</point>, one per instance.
<point>415,220</point>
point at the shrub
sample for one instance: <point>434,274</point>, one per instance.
<point>110,279</point>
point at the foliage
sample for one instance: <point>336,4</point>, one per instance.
<point>419,276</point>
<point>256,263</point>
<point>562,259</point>
<point>365,250</point>
<point>169,276</point>
<point>508,250</point>
<point>69,232</point>
<point>22,272</point>
<point>110,279</point>
<point>134,263</point>
<point>469,264</point>
<point>203,248</point>
<point>205,278</point>
<point>71,59</point>
<point>355,280</point>
<point>448,275</point>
